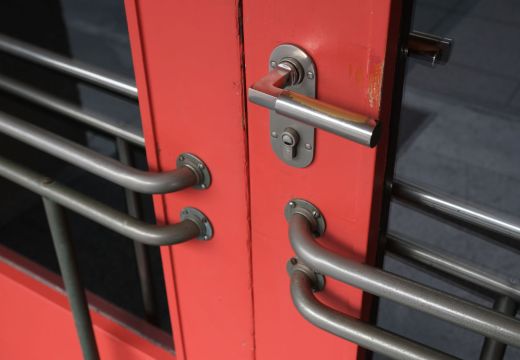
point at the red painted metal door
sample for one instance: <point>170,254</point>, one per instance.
<point>353,45</point>
<point>229,298</point>
<point>188,64</point>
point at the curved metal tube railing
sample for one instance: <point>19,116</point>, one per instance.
<point>121,223</point>
<point>357,331</point>
<point>380,283</point>
<point>95,163</point>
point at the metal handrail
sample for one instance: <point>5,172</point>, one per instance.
<point>103,166</point>
<point>102,214</point>
<point>76,69</point>
<point>380,283</point>
<point>458,270</point>
<point>102,123</point>
<point>357,331</point>
<point>454,210</point>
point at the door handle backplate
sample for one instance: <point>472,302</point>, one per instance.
<point>302,80</point>
<point>289,91</point>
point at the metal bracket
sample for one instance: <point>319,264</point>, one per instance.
<point>311,212</point>
<point>206,230</point>
<point>198,167</point>
<point>430,48</point>
<point>317,279</point>
<point>301,153</point>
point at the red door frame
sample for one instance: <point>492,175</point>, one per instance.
<point>36,320</point>
<point>188,65</point>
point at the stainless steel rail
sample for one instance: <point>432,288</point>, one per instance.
<point>351,329</point>
<point>457,269</point>
<point>105,167</point>
<point>380,283</point>
<point>68,263</point>
<point>458,211</point>
<point>101,123</point>
<point>121,223</point>
<point>76,69</point>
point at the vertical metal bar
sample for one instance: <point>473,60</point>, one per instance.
<point>492,349</point>
<point>70,273</point>
<point>134,209</point>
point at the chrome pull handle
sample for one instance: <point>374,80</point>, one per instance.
<point>431,48</point>
<point>270,92</point>
<point>303,286</point>
<point>306,222</point>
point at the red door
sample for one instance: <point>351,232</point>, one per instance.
<point>353,46</point>
<point>194,61</point>
<point>197,65</point>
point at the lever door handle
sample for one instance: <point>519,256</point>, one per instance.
<point>270,92</point>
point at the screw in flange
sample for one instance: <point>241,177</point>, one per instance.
<point>308,146</point>
<point>309,211</point>
<point>201,220</point>
<point>310,75</point>
<point>273,64</point>
<point>274,134</point>
<point>317,279</point>
<point>198,167</point>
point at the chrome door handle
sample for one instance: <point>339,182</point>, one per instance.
<point>306,222</point>
<point>270,92</point>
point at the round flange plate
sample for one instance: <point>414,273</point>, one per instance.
<point>198,166</point>
<point>310,211</point>
<point>317,279</point>
<point>202,221</point>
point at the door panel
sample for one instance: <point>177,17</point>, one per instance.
<point>348,42</point>
<point>187,56</point>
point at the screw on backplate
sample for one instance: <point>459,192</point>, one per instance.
<point>308,146</point>
<point>274,134</point>
<point>202,186</point>
<point>316,214</point>
<point>273,64</point>
<point>200,166</point>
<point>294,261</point>
<point>292,204</point>
<point>181,158</point>
<point>205,237</point>
<point>310,75</point>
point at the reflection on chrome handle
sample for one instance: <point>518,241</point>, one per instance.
<point>269,92</point>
